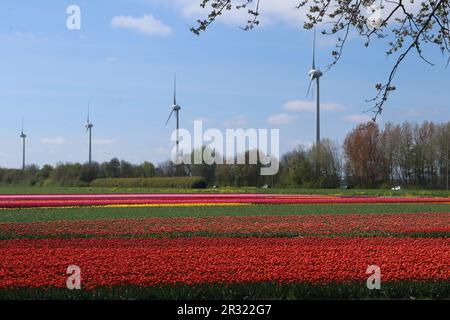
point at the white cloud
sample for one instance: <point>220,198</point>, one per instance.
<point>420,112</point>
<point>205,120</point>
<point>112,59</point>
<point>238,121</point>
<point>310,106</point>
<point>281,118</point>
<point>53,141</point>
<point>357,118</point>
<point>18,35</point>
<point>103,142</point>
<point>272,11</point>
<point>147,24</point>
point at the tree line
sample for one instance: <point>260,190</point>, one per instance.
<point>408,154</point>
<point>400,154</point>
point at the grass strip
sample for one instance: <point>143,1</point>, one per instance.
<point>8,189</point>
<point>228,235</point>
<point>54,214</point>
<point>407,290</point>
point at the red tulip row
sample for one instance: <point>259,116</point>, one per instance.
<point>151,262</point>
<point>28,201</point>
<point>156,196</point>
<point>306,225</point>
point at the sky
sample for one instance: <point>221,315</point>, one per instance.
<point>123,59</point>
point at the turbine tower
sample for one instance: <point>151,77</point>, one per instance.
<point>89,127</point>
<point>315,74</point>
<point>175,108</point>
<point>23,136</point>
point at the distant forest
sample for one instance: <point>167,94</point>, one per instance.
<point>408,154</point>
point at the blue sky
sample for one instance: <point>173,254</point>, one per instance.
<point>124,64</point>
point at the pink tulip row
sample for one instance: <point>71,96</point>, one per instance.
<point>80,200</point>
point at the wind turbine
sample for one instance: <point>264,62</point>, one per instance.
<point>23,136</point>
<point>175,108</point>
<point>315,74</point>
<point>89,127</point>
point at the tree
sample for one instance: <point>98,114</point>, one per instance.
<point>205,170</point>
<point>330,164</point>
<point>167,169</point>
<point>90,172</point>
<point>406,152</point>
<point>297,166</point>
<point>249,173</point>
<point>362,148</point>
<point>147,170</point>
<point>444,153</point>
<point>112,168</point>
<point>69,175</point>
<point>126,169</point>
<point>224,175</point>
<point>406,26</point>
<point>45,172</point>
<point>296,169</point>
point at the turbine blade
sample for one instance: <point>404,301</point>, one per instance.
<point>314,92</point>
<point>175,90</point>
<point>89,109</point>
<point>309,88</point>
<point>170,115</point>
<point>314,50</point>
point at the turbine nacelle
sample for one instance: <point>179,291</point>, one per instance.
<point>315,74</point>
<point>175,107</point>
<point>22,134</point>
<point>89,127</point>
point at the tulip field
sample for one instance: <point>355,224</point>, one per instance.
<point>223,246</point>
